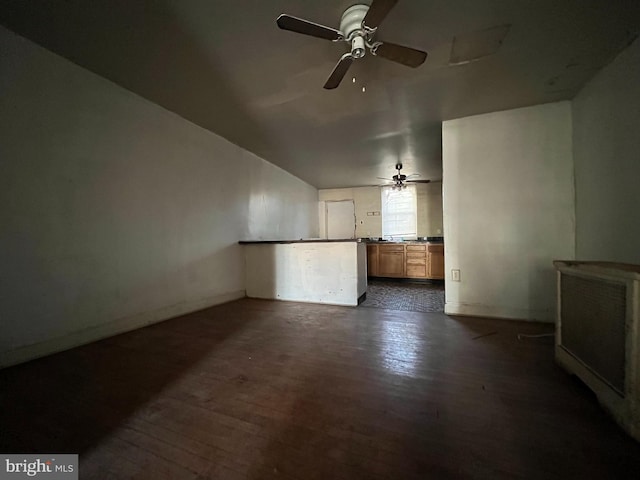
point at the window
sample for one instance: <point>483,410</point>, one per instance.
<point>399,206</point>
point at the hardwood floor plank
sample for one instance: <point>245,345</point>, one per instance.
<point>261,389</point>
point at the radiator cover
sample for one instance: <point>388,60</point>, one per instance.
<point>597,333</point>
<point>593,325</point>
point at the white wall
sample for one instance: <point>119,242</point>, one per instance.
<point>430,221</point>
<point>368,199</point>
<point>318,272</point>
<point>115,212</point>
<point>606,152</point>
<point>508,210</point>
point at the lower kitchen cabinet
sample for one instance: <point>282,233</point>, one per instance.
<point>391,260</point>
<point>405,260</point>
<point>416,261</point>
<point>435,256</point>
<point>372,260</point>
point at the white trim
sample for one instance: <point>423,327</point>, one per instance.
<point>316,302</point>
<point>511,313</point>
<point>121,325</point>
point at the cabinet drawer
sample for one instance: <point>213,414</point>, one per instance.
<point>419,271</point>
<point>416,259</point>
<point>390,248</point>
<point>416,248</point>
<point>436,249</point>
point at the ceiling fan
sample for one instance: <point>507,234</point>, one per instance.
<point>400,180</point>
<point>358,28</point>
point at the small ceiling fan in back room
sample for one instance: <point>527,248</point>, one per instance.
<point>358,27</point>
<point>400,180</point>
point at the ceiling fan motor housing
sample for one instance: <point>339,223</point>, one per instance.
<point>357,47</point>
<point>352,29</point>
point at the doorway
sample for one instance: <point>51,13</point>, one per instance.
<point>340,219</point>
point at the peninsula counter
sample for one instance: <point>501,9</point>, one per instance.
<point>307,270</point>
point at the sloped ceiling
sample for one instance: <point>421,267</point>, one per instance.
<point>224,65</point>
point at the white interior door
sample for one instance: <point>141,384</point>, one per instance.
<point>341,219</point>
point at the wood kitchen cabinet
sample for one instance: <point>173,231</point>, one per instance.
<point>391,260</point>
<point>406,260</point>
<point>372,260</point>
<point>435,260</point>
<point>416,261</point>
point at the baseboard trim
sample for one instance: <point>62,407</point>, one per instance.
<point>121,325</point>
<point>471,310</point>
<point>298,300</point>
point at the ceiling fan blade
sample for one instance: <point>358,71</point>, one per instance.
<point>400,54</point>
<point>298,25</point>
<point>377,12</point>
<point>423,181</point>
<point>339,71</point>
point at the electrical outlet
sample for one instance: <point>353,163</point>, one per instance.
<point>455,275</point>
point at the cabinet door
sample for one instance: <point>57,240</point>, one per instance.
<point>372,260</point>
<point>435,262</point>
<point>390,263</point>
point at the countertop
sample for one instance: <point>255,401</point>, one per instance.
<point>405,242</point>
<point>433,240</point>
<point>324,240</point>
<point>302,240</point>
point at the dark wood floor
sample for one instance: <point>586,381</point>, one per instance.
<point>261,389</point>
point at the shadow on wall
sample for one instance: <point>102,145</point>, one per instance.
<point>261,271</point>
<point>145,48</point>
<point>197,281</point>
<point>125,303</point>
<point>542,290</point>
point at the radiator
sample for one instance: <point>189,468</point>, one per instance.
<point>598,335</point>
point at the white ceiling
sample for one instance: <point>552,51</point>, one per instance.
<point>224,65</point>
